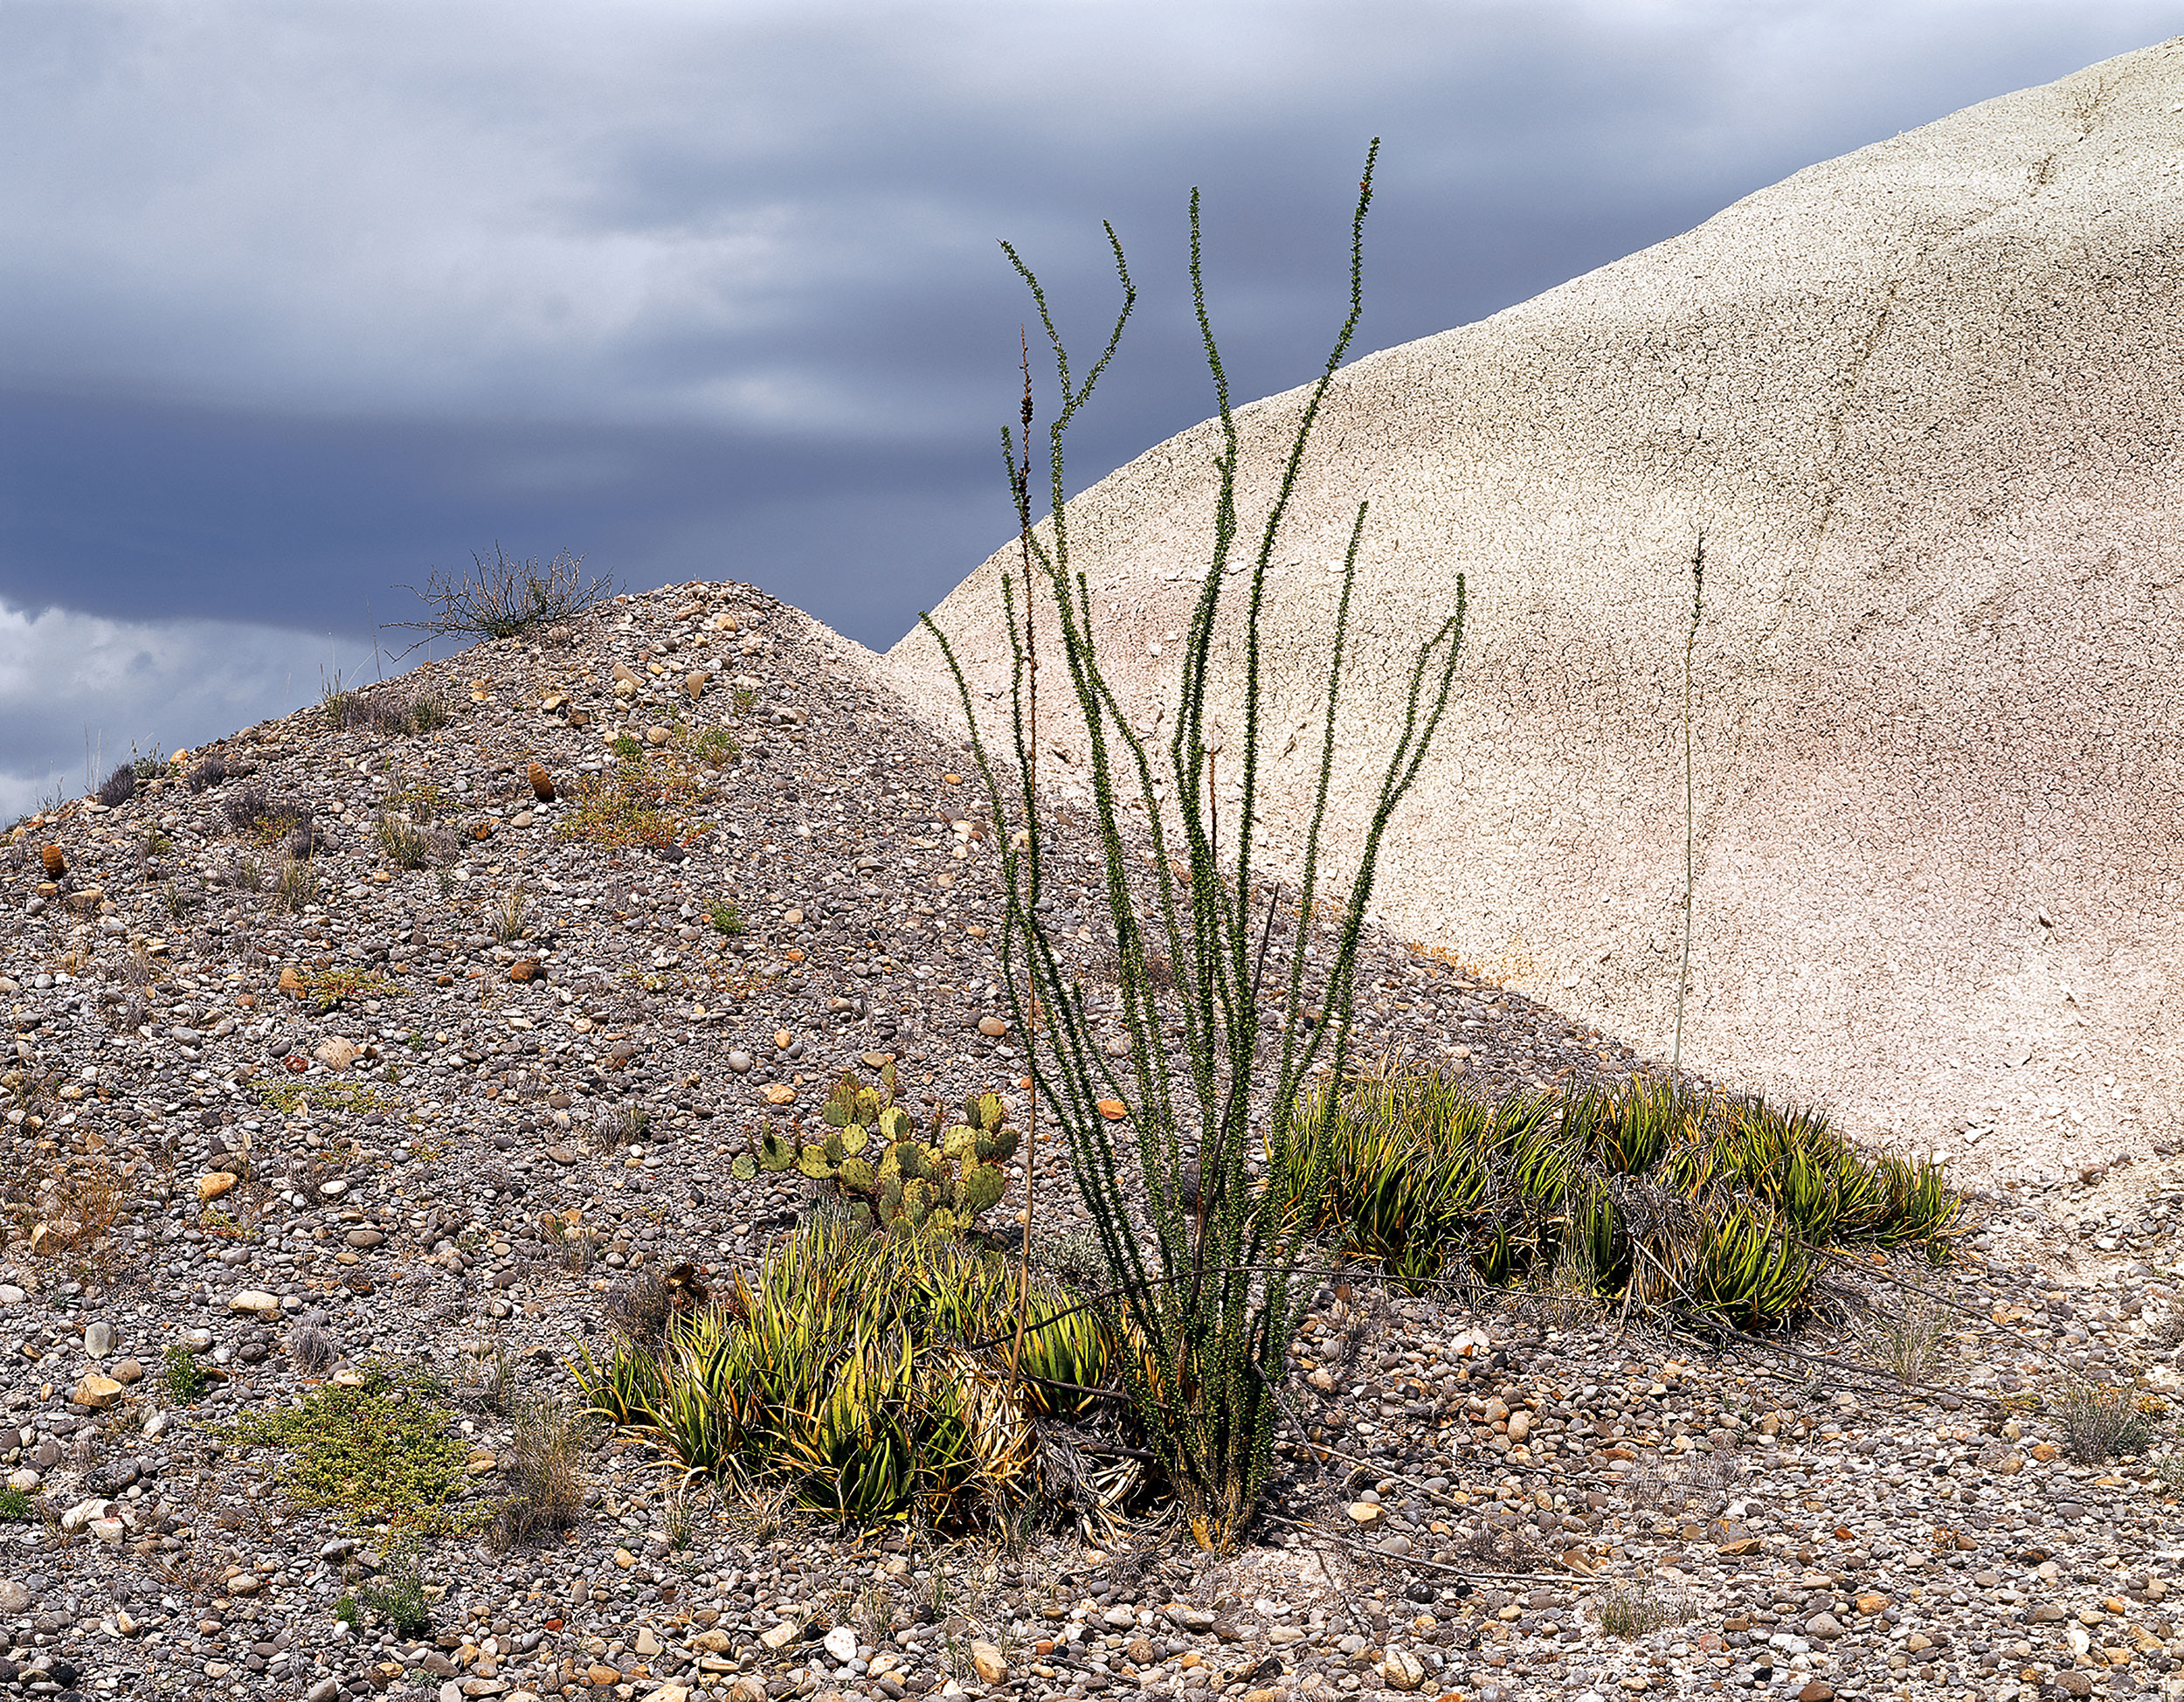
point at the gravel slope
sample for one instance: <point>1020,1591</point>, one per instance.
<point>1495,1471</point>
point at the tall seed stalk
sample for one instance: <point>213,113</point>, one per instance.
<point>1208,1274</point>
<point>1690,642</point>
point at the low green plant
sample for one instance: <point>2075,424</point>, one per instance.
<point>399,1597</point>
<point>15,1505</point>
<point>352,1098</point>
<point>727,918</point>
<point>348,1612</point>
<point>647,800</point>
<point>322,989</point>
<point>383,1451</point>
<point>184,1376</point>
<point>717,747</point>
<point>1719,1208</point>
<point>840,1371</point>
<point>421,800</point>
<point>872,1155</point>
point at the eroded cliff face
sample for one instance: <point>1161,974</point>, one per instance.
<point>1922,402</point>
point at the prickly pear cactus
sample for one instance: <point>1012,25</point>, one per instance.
<point>870,1148</point>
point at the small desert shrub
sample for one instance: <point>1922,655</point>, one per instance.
<point>1071,1254</point>
<point>1636,1609</point>
<point>118,787</point>
<point>406,845</point>
<point>542,1464</point>
<point>502,596</point>
<point>637,1306</point>
<point>15,1505</point>
<point>399,1597</point>
<point>388,713</point>
<point>342,709</point>
<point>184,1376</point>
<point>2100,1422</point>
<point>645,801</point>
<point>508,914</point>
<point>310,1349</point>
<point>296,885</point>
<point>398,715</point>
<point>209,773</point>
<point>246,808</point>
<point>66,1210</point>
<point>727,918</point>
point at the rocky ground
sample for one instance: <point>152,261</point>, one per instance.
<point>259,1103</point>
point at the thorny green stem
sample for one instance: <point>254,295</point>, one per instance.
<point>1208,1296</point>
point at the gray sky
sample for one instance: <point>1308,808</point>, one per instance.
<point>303,300</point>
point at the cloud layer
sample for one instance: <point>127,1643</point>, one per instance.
<point>303,301</point>
<point>86,694</point>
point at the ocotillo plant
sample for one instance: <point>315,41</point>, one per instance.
<point>1206,1279</point>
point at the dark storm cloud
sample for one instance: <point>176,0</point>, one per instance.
<point>302,301</point>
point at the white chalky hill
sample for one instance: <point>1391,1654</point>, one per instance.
<point>1926,403</point>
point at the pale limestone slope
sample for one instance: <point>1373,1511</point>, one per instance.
<point>1923,400</point>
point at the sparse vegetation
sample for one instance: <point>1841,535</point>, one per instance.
<point>322,989</point>
<point>501,596</point>
<point>727,918</point>
<point>295,887</point>
<point>508,916</point>
<point>118,787</point>
<point>342,709</point>
<point>646,800</point>
<point>15,1505</point>
<point>1909,1334</point>
<point>65,1207</point>
<point>405,843</point>
<point>289,1097</point>
<point>310,1351</point>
